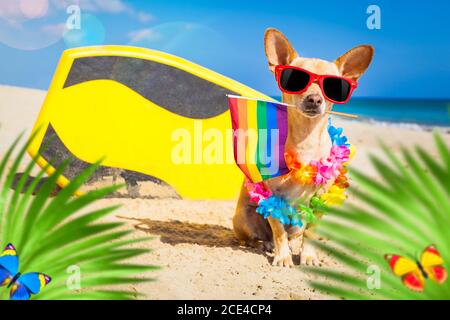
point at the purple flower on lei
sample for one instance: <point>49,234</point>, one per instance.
<point>257,191</point>
<point>325,171</point>
<point>340,154</point>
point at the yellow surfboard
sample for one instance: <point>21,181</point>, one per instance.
<point>153,115</point>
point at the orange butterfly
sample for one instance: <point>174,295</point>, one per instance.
<point>413,274</point>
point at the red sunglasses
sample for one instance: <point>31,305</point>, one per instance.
<point>296,80</point>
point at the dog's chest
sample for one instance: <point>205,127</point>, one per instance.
<point>287,186</point>
<point>290,189</point>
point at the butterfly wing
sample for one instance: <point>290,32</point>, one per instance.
<point>9,260</point>
<point>27,284</point>
<point>34,281</point>
<point>19,292</point>
<point>408,270</point>
<point>5,277</point>
<point>401,265</point>
<point>414,280</point>
<point>432,262</point>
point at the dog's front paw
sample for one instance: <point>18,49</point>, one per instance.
<point>283,257</point>
<point>283,261</point>
<point>308,256</point>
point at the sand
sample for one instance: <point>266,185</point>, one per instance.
<point>193,241</point>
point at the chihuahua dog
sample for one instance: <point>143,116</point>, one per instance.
<point>307,138</point>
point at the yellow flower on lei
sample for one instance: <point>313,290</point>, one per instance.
<point>334,197</point>
<point>351,155</point>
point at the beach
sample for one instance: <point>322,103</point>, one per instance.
<point>192,241</point>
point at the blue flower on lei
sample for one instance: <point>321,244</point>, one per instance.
<point>278,208</point>
<point>336,135</point>
<point>296,221</point>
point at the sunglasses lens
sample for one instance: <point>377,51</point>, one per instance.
<point>336,89</point>
<point>293,80</point>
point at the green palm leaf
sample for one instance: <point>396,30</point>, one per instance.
<point>401,212</point>
<point>55,235</point>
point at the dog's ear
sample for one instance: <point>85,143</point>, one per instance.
<point>355,62</point>
<point>278,49</point>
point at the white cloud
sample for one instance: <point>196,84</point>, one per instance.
<point>146,34</point>
<point>110,6</point>
<point>144,17</point>
<point>10,9</point>
<point>106,6</point>
<point>16,32</point>
<point>54,29</point>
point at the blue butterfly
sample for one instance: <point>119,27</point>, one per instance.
<point>22,285</point>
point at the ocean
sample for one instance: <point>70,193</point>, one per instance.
<point>399,111</point>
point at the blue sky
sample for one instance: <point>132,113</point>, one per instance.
<point>412,48</point>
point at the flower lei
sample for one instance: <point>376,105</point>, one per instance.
<point>316,173</point>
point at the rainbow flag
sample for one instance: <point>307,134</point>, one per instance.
<point>259,133</point>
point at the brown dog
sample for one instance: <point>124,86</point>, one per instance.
<point>307,137</point>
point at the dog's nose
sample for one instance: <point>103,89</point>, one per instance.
<point>313,101</point>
